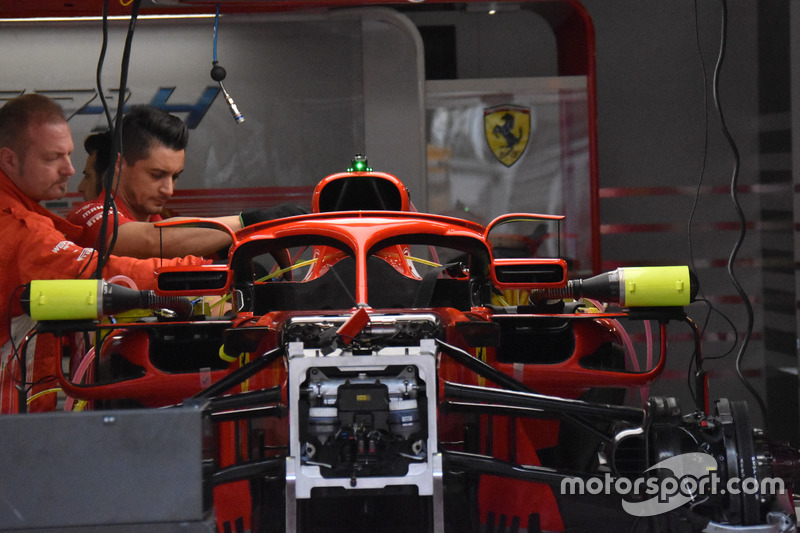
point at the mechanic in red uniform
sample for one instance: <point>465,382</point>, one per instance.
<point>152,159</point>
<point>98,148</point>
<point>35,148</point>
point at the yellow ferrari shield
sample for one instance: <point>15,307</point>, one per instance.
<point>507,130</point>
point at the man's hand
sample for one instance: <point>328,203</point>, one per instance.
<point>254,216</point>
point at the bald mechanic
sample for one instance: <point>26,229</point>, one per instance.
<point>35,166</point>
<point>152,159</point>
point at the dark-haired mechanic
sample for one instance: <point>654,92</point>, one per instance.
<point>153,154</point>
<point>98,152</point>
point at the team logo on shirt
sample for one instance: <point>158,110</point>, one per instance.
<point>87,252</point>
<point>61,246</point>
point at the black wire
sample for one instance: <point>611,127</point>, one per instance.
<point>22,359</point>
<point>702,298</point>
<point>104,252</point>
<point>15,350</point>
<point>705,141</point>
<point>704,161</point>
<point>730,323</point>
<point>14,347</point>
<point>100,244</point>
<point>689,374</point>
<point>693,359</point>
<point>740,214</point>
<point>100,61</point>
<point>698,362</point>
<point>107,178</point>
<point>46,379</point>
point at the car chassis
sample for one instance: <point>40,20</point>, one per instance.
<point>352,385</point>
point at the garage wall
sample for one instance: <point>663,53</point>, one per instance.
<point>307,87</point>
<point>661,142</point>
<point>666,168</point>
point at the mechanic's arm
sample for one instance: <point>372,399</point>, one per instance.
<point>143,239</point>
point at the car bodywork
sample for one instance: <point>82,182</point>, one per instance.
<point>372,368</point>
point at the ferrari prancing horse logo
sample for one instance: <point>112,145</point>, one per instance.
<point>507,130</point>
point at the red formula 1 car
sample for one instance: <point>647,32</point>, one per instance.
<point>370,368</point>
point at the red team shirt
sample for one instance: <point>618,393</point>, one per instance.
<point>37,244</point>
<point>90,217</point>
